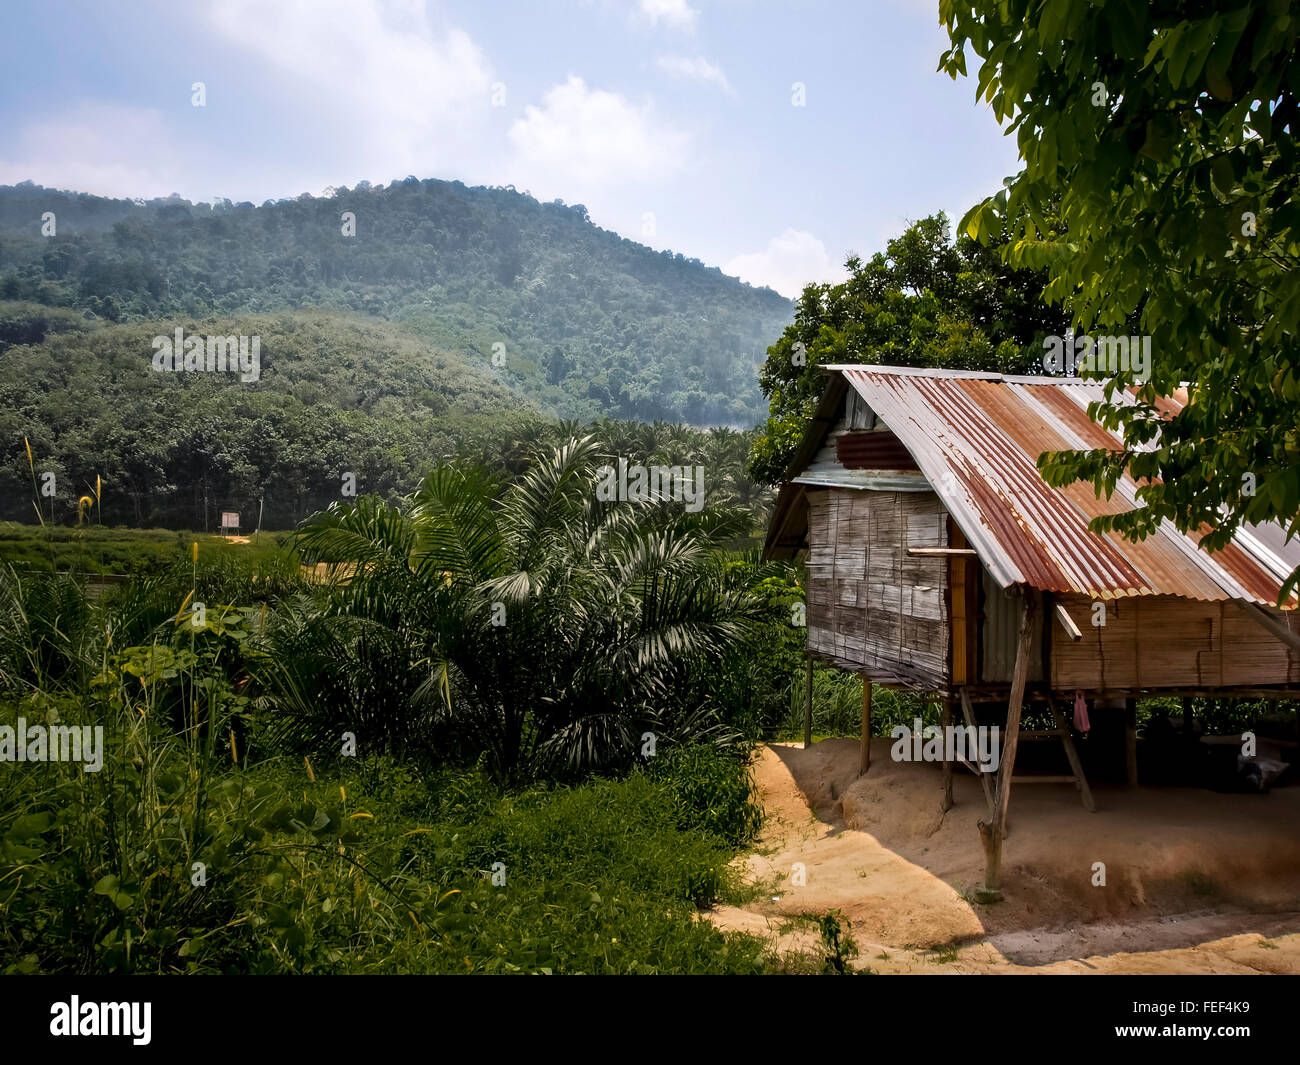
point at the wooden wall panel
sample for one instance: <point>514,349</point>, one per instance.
<point>1251,651</point>
<point>1105,657</point>
<point>871,604</point>
<point>1167,642</point>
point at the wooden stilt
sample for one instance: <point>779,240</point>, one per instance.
<point>946,721</point>
<point>993,830</point>
<point>807,703</point>
<point>1131,741</point>
<point>864,748</point>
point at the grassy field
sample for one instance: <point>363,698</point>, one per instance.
<point>286,782</point>
<point>95,549</point>
<point>374,867</point>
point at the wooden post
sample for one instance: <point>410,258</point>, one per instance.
<point>864,748</point>
<point>1131,742</point>
<point>946,720</point>
<point>807,703</point>
<point>993,831</point>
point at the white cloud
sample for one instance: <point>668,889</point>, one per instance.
<point>583,139</point>
<point>789,262</point>
<point>375,88</point>
<point>103,148</point>
<point>684,68</point>
<point>675,14</point>
<point>400,94</point>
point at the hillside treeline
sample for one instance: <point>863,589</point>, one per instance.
<point>586,323</point>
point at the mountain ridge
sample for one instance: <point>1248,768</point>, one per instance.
<point>582,321</point>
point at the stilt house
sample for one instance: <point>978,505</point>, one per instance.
<point>940,561</point>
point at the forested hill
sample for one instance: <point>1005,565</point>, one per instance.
<point>333,395</point>
<point>591,323</point>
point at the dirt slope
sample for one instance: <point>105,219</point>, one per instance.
<point>1196,882</point>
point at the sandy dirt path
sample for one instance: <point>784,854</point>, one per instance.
<point>1196,882</point>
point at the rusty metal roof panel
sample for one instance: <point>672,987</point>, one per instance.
<point>977,438</point>
<point>872,449</point>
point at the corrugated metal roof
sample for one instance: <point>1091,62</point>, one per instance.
<point>977,437</point>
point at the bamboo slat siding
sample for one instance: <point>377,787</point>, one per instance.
<point>1169,642</point>
<point>871,606</point>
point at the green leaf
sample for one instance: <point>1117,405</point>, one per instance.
<point>1218,84</point>
<point>277,916</point>
<point>1224,177</point>
<point>106,886</point>
<point>1161,135</point>
<point>26,826</point>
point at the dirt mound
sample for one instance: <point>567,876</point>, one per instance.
<point>1152,873</point>
<point>903,806</point>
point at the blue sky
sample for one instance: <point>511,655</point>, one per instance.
<point>673,121</point>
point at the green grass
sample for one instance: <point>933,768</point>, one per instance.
<point>370,868</point>
<point>207,843</point>
<point>179,857</point>
<point>94,549</point>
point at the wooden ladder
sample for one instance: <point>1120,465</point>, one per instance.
<point>1060,733</point>
<point>1075,776</point>
<point>968,713</point>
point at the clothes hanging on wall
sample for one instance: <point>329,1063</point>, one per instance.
<point>1081,722</point>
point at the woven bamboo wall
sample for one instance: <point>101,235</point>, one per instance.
<point>1167,642</point>
<point>871,606</point>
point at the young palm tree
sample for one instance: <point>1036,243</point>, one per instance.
<point>46,637</point>
<point>534,622</point>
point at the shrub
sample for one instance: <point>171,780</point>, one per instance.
<point>712,791</point>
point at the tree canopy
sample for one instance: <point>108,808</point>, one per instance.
<point>1165,132</point>
<point>924,301</point>
<point>582,321</point>
<point>337,394</point>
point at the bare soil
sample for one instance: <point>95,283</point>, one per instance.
<point>1195,881</point>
